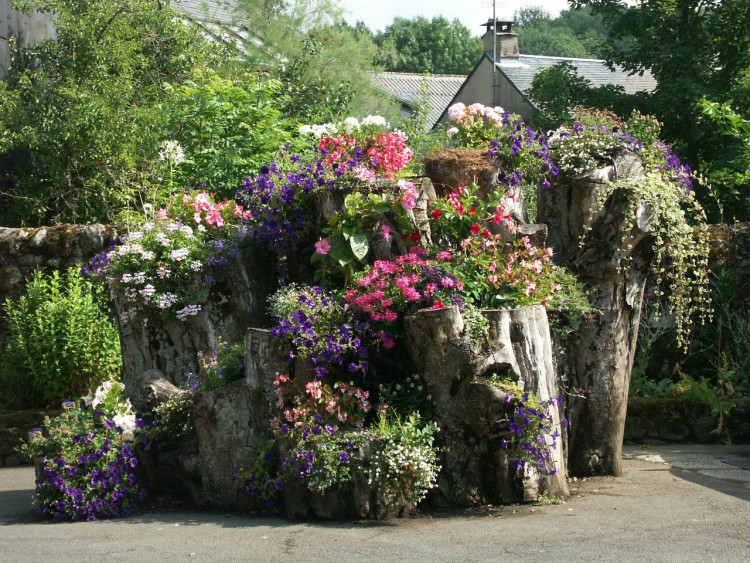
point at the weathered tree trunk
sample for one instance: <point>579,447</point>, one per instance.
<point>172,346</point>
<point>613,258</point>
<point>456,369</point>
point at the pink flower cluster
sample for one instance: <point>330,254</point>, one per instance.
<point>314,404</point>
<point>389,287</point>
<point>388,152</point>
<point>475,113</point>
<point>204,210</point>
<point>339,149</point>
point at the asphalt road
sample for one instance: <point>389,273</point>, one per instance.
<point>694,507</point>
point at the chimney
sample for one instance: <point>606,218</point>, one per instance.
<point>507,39</point>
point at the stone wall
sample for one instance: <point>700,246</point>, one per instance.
<point>23,251</point>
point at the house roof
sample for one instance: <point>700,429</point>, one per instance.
<point>208,11</point>
<point>522,69</point>
<point>407,89</point>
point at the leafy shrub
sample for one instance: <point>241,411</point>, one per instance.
<point>59,344</point>
<point>228,128</point>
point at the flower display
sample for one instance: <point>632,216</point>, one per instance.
<point>167,266</point>
<point>388,289</point>
<point>530,439</point>
<point>87,458</point>
<point>320,330</point>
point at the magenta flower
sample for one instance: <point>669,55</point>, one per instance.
<point>322,246</point>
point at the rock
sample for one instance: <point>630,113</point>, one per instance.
<point>703,430</point>
<point>150,389</point>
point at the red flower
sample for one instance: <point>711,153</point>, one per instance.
<point>438,305</point>
<point>486,233</point>
<point>475,228</point>
<point>437,214</point>
<point>415,236</point>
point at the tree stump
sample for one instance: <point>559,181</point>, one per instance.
<point>456,370</point>
<point>599,355</point>
<point>172,346</point>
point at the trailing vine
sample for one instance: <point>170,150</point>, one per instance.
<point>677,225</point>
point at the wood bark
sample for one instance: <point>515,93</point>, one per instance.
<point>613,258</point>
<point>456,369</point>
<point>172,346</point>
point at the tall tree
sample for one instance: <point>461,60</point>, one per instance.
<point>437,46</point>
<point>575,33</point>
<point>82,112</point>
<point>694,48</point>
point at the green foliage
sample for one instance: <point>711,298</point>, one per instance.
<point>174,418</point>
<point>729,170</point>
<point>221,366</point>
<point>437,46</point>
<point>574,33</point>
<point>652,330</point>
<point>718,395</point>
<point>59,342</point>
<point>723,345</point>
<point>83,128</point>
<point>228,128</point>
<point>676,223</point>
<point>363,217</point>
<point>558,90</point>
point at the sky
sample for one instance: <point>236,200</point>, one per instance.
<point>377,14</point>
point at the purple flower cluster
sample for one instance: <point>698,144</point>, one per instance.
<point>99,482</point>
<point>275,198</point>
<point>529,426</point>
<point>322,333</point>
<point>99,262</point>
<point>318,456</point>
<point>523,141</point>
<point>675,170</point>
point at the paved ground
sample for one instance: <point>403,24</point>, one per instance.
<point>674,503</point>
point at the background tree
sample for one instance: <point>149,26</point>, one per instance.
<point>419,45</point>
<point>555,91</point>
<point>82,126</point>
<point>321,62</point>
<point>575,33</point>
<point>694,48</point>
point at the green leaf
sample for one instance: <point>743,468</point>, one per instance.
<point>359,245</point>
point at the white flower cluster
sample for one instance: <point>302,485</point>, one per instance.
<point>349,125</point>
<point>405,469</point>
<point>189,311</point>
<point>172,153</point>
<point>101,393</point>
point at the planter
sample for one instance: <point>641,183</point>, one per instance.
<point>172,346</point>
<point>362,497</point>
<point>456,370</point>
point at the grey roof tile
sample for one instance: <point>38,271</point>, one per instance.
<point>215,11</point>
<point>521,72</point>
<point>407,87</point>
